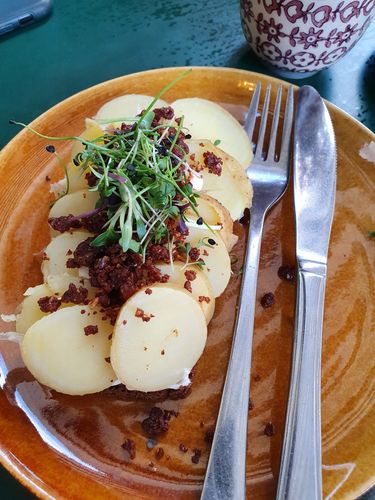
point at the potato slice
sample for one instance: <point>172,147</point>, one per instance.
<point>30,310</point>
<point>91,132</point>
<point>216,257</point>
<point>154,354</point>
<point>215,215</point>
<point>200,286</point>
<point>126,107</point>
<point>76,203</point>
<point>232,188</point>
<point>60,355</point>
<point>58,252</point>
<point>59,283</point>
<point>207,120</point>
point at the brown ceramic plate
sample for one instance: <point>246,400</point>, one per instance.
<point>64,446</point>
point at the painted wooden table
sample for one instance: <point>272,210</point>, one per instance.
<point>87,42</point>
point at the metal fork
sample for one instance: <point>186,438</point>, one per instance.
<point>226,471</point>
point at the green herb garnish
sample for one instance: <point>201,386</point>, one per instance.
<point>140,177</point>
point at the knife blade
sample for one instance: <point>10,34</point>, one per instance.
<point>314,176</point>
<point>314,201</point>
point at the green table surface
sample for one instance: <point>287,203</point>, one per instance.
<point>87,42</point>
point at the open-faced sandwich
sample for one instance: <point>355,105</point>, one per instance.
<point>141,231</point>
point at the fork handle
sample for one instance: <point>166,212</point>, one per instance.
<point>226,469</point>
<point>301,467</point>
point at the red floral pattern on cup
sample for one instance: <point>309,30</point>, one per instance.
<point>294,35</point>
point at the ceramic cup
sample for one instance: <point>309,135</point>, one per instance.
<point>300,37</point>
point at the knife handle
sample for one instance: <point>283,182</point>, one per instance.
<point>301,467</point>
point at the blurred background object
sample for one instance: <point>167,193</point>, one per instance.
<point>16,14</point>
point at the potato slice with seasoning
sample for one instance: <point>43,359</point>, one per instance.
<point>231,188</point>
<point>30,310</point>
<point>59,283</point>
<point>216,215</point>
<point>121,108</point>
<point>60,354</point>
<point>59,250</point>
<point>214,253</point>
<point>77,203</point>
<point>158,337</point>
<point>201,289</point>
<point>208,120</point>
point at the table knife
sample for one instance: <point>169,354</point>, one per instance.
<point>314,201</point>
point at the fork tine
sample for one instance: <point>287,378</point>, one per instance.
<point>275,124</point>
<point>252,113</point>
<point>263,124</point>
<point>287,129</point>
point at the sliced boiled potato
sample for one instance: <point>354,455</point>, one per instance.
<point>75,173</point>
<point>216,257</point>
<point>154,354</point>
<point>76,203</point>
<point>200,286</point>
<point>59,283</point>
<point>91,132</point>
<point>215,215</point>
<point>60,355</point>
<point>232,188</point>
<point>126,107</point>
<point>30,310</point>
<point>207,120</point>
<point>58,251</point>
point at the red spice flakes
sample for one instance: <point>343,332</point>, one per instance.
<point>110,336</point>
<point>91,329</point>
<point>256,377</point>
<point>251,404</point>
<point>269,429</point>
<point>267,300</point>
<point>190,275</point>
<point>75,295</point>
<point>148,291</point>
<point>187,286</point>
<point>196,456</point>
<point>183,448</point>
<point>108,359</point>
<point>83,311</point>
<point>287,273</point>
<point>49,304</point>
<point>209,435</point>
<point>162,352</point>
<point>129,446</point>
<point>213,163</point>
<point>159,453</point>
<point>158,421</point>
<point>203,298</point>
<point>194,254</point>
<point>205,253</point>
<point>139,313</point>
<point>48,178</point>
